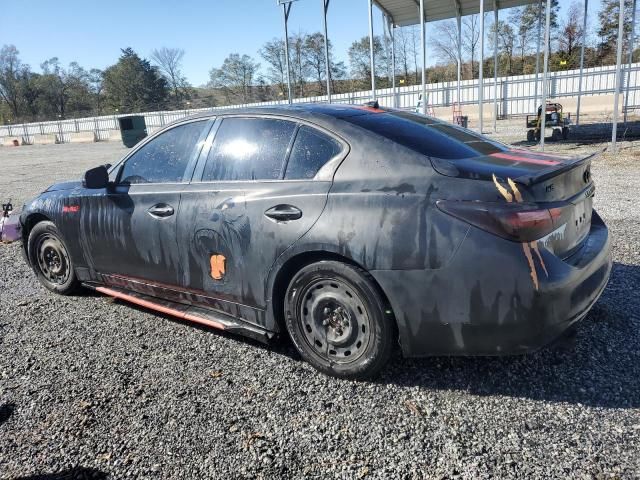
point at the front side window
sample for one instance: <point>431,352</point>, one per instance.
<point>311,150</point>
<point>165,158</point>
<point>249,149</point>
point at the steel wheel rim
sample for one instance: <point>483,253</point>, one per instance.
<point>334,321</point>
<point>53,259</point>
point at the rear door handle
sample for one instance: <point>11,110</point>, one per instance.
<point>283,213</point>
<point>161,210</point>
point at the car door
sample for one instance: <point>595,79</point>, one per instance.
<point>245,207</point>
<point>128,231</point>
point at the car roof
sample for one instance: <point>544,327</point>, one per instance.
<point>301,110</point>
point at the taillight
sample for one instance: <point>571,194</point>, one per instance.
<point>518,222</point>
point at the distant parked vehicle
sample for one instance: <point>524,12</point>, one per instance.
<point>133,128</point>
<point>350,228</point>
<point>555,119</point>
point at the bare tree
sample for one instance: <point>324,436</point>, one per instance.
<point>414,36</point>
<point>273,53</point>
<point>403,55</point>
<point>169,61</point>
<point>235,77</point>
<point>315,58</point>
<point>445,41</point>
<point>299,67</point>
<point>470,39</point>
<point>96,86</point>
<point>61,85</point>
<point>10,69</point>
<point>571,30</point>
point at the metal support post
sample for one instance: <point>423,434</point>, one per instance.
<point>371,54</point>
<point>481,69</point>
<point>495,67</point>
<point>631,44</point>
<point>286,9</point>
<point>325,8</point>
<point>543,112</point>
<point>584,40</point>
<point>424,58</point>
<point>616,96</point>
<point>535,86</point>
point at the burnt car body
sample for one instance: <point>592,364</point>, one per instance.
<point>475,248</point>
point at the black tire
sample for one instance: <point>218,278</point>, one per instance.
<point>338,320</point>
<point>50,259</point>
<point>536,135</point>
<point>556,135</point>
<point>565,133</point>
<point>530,136</point>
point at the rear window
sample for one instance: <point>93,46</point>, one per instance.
<point>311,150</point>
<point>427,136</point>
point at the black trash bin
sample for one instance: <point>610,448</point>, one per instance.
<point>463,121</point>
<point>133,128</point>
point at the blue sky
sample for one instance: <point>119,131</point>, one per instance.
<point>92,32</point>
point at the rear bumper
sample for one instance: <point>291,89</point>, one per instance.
<point>485,303</point>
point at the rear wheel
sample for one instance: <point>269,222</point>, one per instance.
<point>50,259</point>
<point>565,133</point>
<point>556,135</point>
<point>337,320</point>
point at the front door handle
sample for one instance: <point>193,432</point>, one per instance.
<point>283,213</point>
<point>161,210</point>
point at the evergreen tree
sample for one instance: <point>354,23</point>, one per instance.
<point>134,85</point>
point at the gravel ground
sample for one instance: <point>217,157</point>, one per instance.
<point>105,390</point>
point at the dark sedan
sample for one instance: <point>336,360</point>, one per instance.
<point>351,228</point>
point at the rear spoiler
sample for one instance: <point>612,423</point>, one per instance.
<point>551,172</point>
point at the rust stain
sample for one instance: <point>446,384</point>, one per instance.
<point>218,264</point>
<point>529,246</point>
<point>532,268</point>
<point>534,247</point>
<point>516,192</point>
<point>505,193</point>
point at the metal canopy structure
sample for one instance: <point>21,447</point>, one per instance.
<point>405,12</point>
<point>400,13</point>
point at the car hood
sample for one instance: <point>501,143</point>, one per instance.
<point>56,187</point>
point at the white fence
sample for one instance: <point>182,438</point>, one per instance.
<point>516,96</point>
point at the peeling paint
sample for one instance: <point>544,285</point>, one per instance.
<point>218,264</point>
<point>516,192</point>
<point>505,193</point>
<point>526,247</point>
<point>534,247</point>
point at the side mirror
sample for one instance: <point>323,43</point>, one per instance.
<point>97,177</point>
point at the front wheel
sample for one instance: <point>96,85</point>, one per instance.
<point>338,321</point>
<point>50,259</point>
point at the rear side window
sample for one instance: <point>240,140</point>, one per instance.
<point>165,158</point>
<point>249,149</point>
<point>427,136</point>
<point>311,150</point>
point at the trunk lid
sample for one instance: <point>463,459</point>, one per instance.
<point>563,185</point>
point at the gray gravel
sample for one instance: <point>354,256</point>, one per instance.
<point>106,390</point>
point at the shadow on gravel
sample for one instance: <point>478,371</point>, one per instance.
<point>599,366</point>
<point>281,347</point>
<point>6,410</point>
<point>78,473</point>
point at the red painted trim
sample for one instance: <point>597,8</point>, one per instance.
<point>368,109</point>
<point>516,158</point>
<point>160,308</point>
